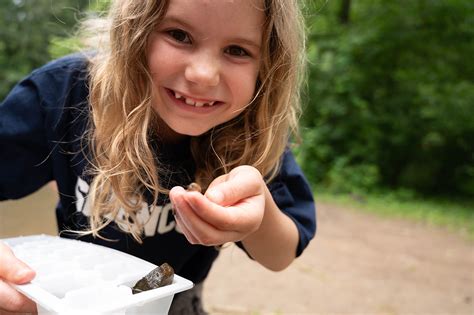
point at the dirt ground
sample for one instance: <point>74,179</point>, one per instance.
<point>357,264</point>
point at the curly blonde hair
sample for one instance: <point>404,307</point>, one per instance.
<point>122,122</point>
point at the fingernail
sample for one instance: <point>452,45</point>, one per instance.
<point>178,189</point>
<point>215,196</point>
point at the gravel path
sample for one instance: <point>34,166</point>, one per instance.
<point>357,264</point>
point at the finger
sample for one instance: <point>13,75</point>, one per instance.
<point>175,192</point>
<point>13,301</point>
<point>176,195</point>
<point>12,269</point>
<point>185,231</point>
<point>242,182</point>
<point>205,233</point>
<point>218,180</point>
<point>200,230</point>
<point>243,218</point>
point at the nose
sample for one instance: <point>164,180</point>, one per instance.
<point>203,69</point>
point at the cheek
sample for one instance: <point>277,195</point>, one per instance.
<point>244,86</point>
<point>153,53</point>
<point>162,59</point>
<point>157,63</point>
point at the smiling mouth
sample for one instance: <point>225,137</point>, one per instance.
<point>190,101</point>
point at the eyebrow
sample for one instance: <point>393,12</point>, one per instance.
<point>237,40</point>
<point>246,41</point>
<point>177,20</point>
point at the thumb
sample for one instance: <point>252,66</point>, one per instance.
<point>12,269</point>
<point>241,183</point>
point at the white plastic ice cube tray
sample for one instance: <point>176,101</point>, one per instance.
<point>74,277</point>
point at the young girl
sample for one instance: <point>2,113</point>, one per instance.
<point>183,91</point>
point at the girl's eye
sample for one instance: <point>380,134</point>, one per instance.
<point>237,51</point>
<point>180,36</point>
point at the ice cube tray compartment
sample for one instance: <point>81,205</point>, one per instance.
<point>79,277</point>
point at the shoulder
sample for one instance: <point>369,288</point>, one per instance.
<point>61,76</point>
<point>68,64</point>
<point>62,82</point>
<point>58,90</point>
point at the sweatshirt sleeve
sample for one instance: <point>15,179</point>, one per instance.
<point>292,193</point>
<point>24,164</point>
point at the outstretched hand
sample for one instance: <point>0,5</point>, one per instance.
<point>231,209</point>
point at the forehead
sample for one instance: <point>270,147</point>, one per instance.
<point>221,16</point>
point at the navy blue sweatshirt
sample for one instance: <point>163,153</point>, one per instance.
<point>42,125</point>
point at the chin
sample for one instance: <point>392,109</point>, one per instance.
<point>192,133</point>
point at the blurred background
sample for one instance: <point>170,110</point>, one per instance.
<point>387,141</point>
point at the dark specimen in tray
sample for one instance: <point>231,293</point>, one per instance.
<point>158,277</point>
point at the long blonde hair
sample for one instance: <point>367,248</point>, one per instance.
<point>123,164</point>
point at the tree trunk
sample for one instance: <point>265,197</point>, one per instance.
<point>344,13</point>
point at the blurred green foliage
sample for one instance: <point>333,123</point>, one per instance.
<point>390,97</point>
<point>26,28</point>
<point>390,100</point>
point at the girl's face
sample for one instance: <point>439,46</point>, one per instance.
<point>204,60</point>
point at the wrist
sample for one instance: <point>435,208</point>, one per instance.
<point>274,243</point>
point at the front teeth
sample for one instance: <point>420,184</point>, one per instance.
<point>191,102</point>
